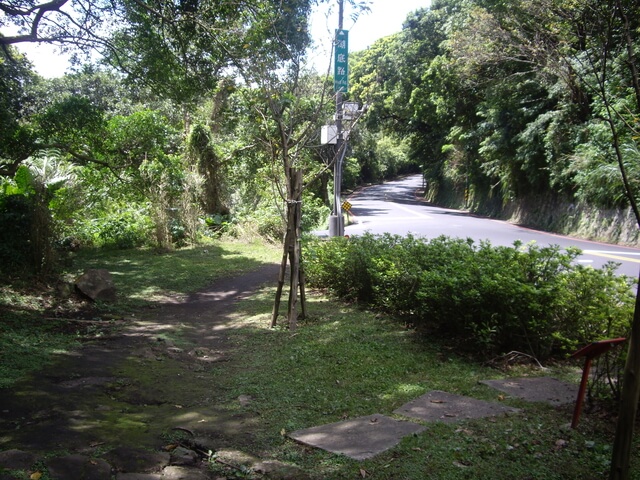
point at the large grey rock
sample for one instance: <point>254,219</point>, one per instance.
<point>183,456</point>
<point>97,284</point>
<point>17,460</point>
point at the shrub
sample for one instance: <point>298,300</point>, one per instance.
<point>314,213</point>
<point>129,227</point>
<point>270,226</point>
<point>217,225</point>
<point>27,232</point>
<point>491,300</point>
<point>15,224</point>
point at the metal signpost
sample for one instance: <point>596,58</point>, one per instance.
<point>341,84</point>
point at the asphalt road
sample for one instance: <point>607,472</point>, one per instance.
<point>395,208</point>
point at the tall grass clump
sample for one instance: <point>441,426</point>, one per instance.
<point>488,300</point>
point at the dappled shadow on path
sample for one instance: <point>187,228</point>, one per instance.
<point>134,386</point>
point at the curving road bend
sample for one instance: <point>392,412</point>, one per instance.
<point>395,208</point>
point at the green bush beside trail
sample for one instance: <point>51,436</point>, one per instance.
<point>489,300</point>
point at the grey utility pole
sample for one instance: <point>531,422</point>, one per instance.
<point>336,220</point>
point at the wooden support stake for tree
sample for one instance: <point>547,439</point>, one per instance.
<point>292,313</point>
<point>281,275</point>
<point>298,248</point>
<point>303,295</point>
<point>291,251</point>
<point>294,246</point>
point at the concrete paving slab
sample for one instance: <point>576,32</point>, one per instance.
<point>359,438</point>
<point>537,389</point>
<point>438,406</point>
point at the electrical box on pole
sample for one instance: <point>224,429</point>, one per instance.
<point>329,135</point>
<point>350,110</point>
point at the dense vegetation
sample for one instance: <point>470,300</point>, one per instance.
<point>522,109</point>
<point>175,134</point>
<point>110,165</point>
<point>526,109</point>
<point>199,114</point>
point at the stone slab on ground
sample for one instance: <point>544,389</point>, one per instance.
<point>138,476</point>
<point>182,473</point>
<point>17,459</point>
<point>268,468</point>
<point>279,470</point>
<point>438,406</point>
<point>537,389</point>
<point>78,467</point>
<point>359,438</point>
<point>137,460</point>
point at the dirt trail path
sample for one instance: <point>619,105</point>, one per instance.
<point>133,389</point>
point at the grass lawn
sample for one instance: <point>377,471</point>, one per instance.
<point>30,331</point>
<point>343,363</point>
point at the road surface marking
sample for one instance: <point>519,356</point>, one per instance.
<point>381,221</point>
<point>605,254</point>
<point>413,212</point>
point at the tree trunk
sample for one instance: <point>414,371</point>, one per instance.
<point>291,251</point>
<point>295,219</point>
<point>621,453</point>
<point>209,167</point>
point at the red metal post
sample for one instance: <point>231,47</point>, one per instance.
<point>581,392</point>
<point>590,352</point>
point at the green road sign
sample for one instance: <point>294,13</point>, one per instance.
<point>341,63</point>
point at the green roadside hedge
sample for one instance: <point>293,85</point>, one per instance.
<point>489,299</point>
